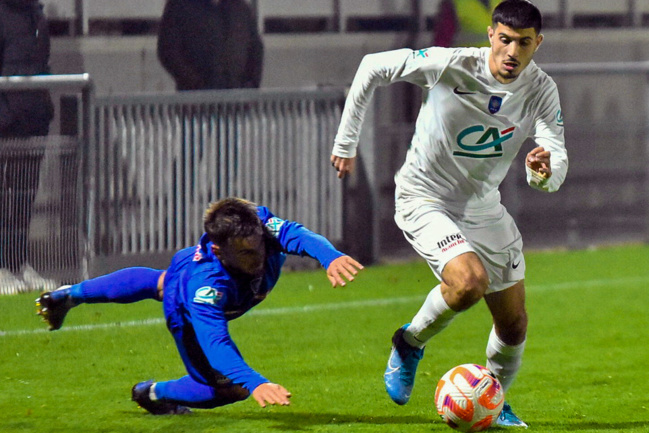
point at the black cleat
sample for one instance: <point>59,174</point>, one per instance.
<point>140,395</point>
<point>54,307</point>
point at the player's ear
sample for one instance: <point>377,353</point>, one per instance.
<point>216,250</point>
<point>490,34</point>
<point>539,41</point>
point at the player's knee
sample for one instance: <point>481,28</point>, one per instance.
<point>468,290</point>
<point>227,395</point>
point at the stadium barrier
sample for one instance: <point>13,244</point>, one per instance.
<point>49,169</point>
<point>157,160</point>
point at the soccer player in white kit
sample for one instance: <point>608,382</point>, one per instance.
<point>479,106</point>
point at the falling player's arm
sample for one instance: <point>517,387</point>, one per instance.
<point>297,239</point>
<point>547,165</point>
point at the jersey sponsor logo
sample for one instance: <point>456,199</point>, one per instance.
<point>274,225</point>
<point>559,118</point>
<point>207,295</point>
<point>479,141</point>
<point>451,241</point>
<point>495,102</point>
<point>457,91</point>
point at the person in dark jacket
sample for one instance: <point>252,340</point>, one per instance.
<point>24,50</point>
<point>210,44</point>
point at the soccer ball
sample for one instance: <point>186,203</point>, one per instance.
<point>469,398</point>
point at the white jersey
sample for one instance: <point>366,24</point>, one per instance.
<point>470,126</point>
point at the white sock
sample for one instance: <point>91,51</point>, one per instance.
<point>152,395</point>
<point>433,316</point>
<point>504,360</point>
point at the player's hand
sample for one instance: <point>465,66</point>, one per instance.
<point>271,393</point>
<point>343,166</point>
<point>538,160</point>
<point>342,268</point>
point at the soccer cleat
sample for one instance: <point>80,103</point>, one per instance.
<point>141,394</point>
<point>507,418</point>
<point>53,306</point>
<point>399,375</point>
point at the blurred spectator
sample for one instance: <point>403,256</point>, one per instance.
<point>463,23</point>
<point>24,50</point>
<point>210,44</point>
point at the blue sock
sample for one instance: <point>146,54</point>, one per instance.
<point>186,391</point>
<point>123,287</point>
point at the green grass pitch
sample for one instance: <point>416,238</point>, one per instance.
<point>586,367</point>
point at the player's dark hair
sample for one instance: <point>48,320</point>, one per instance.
<point>231,218</point>
<point>517,14</point>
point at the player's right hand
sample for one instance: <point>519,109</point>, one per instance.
<point>344,267</point>
<point>342,165</point>
<point>271,393</point>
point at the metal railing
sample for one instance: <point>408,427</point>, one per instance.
<point>50,170</point>
<point>157,161</point>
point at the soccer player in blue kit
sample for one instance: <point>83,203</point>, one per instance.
<point>236,263</point>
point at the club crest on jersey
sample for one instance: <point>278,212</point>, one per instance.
<point>207,295</point>
<point>495,102</point>
<point>274,225</point>
<point>479,141</point>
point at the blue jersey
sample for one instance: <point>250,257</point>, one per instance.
<point>199,292</point>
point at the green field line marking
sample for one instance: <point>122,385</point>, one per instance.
<point>335,306</point>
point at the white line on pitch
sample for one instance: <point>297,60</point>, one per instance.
<point>613,282</point>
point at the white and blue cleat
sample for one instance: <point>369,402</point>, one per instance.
<point>508,418</point>
<point>399,375</point>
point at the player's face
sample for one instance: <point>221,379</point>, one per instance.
<point>511,51</point>
<point>243,255</point>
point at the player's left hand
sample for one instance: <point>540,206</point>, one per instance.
<point>538,160</point>
<point>342,268</point>
<point>271,393</point>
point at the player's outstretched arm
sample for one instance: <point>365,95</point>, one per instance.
<point>271,393</point>
<point>342,268</point>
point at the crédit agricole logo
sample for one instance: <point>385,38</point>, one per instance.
<point>480,141</point>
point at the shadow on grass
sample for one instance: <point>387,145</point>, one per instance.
<point>299,421</point>
<point>603,426</point>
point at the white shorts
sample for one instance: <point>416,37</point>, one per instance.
<point>439,235</point>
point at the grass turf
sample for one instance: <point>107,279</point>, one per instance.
<point>585,366</point>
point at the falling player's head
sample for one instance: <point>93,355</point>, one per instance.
<point>238,235</point>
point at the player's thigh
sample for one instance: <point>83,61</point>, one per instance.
<point>497,241</point>
<point>507,308</point>
<point>433,233</point>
